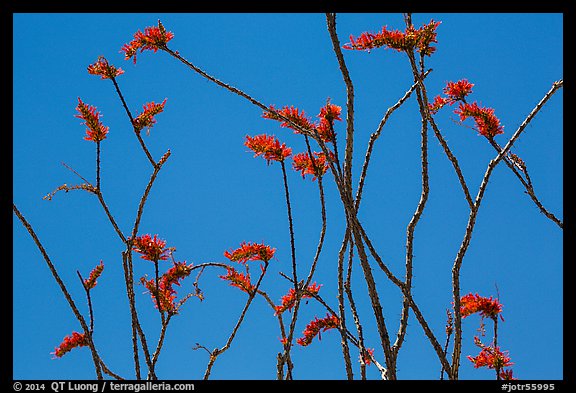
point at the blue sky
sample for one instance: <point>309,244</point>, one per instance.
<point>211,194</point>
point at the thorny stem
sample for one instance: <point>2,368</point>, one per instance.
<point>449,329</point>
<point>527,184</point>
<point>345,286</point>
<point>128,279</point>
<point>157,291</point>
<point>419,210</point>
<point>98,165</point>
<point>109,215</point>
<point>470,227</point>
<point>157,168</point>
<point>495,344</point>
<point>331,24</point>
<point>290,226</point>
<point>219,351</point>
<point>138,136</point>
<point>297,290</point>
<point>89,299</point>
<point>165,323</point>
<point>77,314</point>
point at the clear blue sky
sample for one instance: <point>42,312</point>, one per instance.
<point>212,194</point>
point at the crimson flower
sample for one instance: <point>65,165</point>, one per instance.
<point>455,91</point>
<point>487,124</point>
<point>96,131</point>
<point>104,69</point>
<point>151,248</point>
<point>289,300</point>
<point>91,282</point>
<point>330,112</point>
<point>316,167</point>
<point>239,280</point>
<point>69,343</point>
<point>268,147</point>
<point>438,103</point>
<point>153,38</point>
<point>411,39</point>
<point>492,358</point>
<point>146,118</point>
<point>487,307</point>
<point>251,252</point>
<point>327,115</point>
<point>315,327</point>
<point>165,294</point>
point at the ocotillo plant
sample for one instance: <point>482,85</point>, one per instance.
<point>158,286</point>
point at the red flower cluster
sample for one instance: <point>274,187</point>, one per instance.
<point>104,69</point>
<point>146,118</point>
<point>419,39</point>
<point>487,124</point>
<point>487,307</point>
<point>69,343</point>
<point>268,147</point>
<point>153,38</point>
<point>289,300</point>
<point>239,280</point>
<point>165,292</point>
<point>492,358</point>
<point>455,91</point>
<point>251,252</point>
<point>91,282</point>
<point>96,131</point>
<point>316,167</point>
<point>327,115</point>
<point>315,327</point>
<point>151,248</point>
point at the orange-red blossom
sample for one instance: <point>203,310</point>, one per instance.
<point>289,300</point>
<point>251,252</point>
<point>69,343</point>
<point>487,307</point>
<point>153,39</point>
<point>151,248</point>
<point>419,39</point>
<point>96,131</point>
<point>104,69</point>
<point>165,293</point>
<point>315,327</point>
<point>91,282</point>
<point>268,147</point>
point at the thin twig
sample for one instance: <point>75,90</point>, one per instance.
<point>219,351</point>
<point>331,24</point>
<point>136,131</point>
<point>419,209</point>
<point>527,185</point>
<point>89,299</point>
<point>77,314</point>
